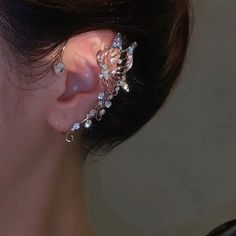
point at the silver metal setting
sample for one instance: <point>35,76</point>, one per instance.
<point>114,63</point>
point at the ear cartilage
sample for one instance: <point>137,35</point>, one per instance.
<point>114,63</point>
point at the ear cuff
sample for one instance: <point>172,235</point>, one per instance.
<point>114,62</point>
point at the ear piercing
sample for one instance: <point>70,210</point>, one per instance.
<point>114,62</point>
<point>59,68</point>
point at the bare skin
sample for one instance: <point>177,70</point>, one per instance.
<point>43,194</point>
<point>41,176</point>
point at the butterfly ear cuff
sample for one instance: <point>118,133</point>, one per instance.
<point>114,62</point>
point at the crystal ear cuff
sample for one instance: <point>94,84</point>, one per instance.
<point>114,62</point>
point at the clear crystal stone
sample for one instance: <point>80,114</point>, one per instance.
<point>101,96</point>
<point>108,104</point>
<point>110,97</point>
<point>76,126</point>
<point>102,112</point>
<point>88,124</point>
<point>92,112</point>
<point>105,74</point>
<point>117,89</point>
<point>131,48</point>
<point>118,42</point>
<point>125,87</point>
<point>113,60</point>
<point>120,83</point>
<point>100,103</point>
<point>59,68</point>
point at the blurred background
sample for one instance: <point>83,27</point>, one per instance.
<point>177,176</point>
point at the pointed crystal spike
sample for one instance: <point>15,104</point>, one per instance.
<point>131,48</point>
<point>117,43</point>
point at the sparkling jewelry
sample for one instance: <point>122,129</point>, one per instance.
<point>59,68</point>
<point>114,63</point>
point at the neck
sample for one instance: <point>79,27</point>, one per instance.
<point>42,193</point>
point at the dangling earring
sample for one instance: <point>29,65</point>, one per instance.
<point>114,63</point>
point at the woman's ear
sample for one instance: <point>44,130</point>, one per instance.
<point>75,93</point>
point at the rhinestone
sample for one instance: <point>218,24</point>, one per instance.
<point>110,97</point>
<point>88,124</point>
<point>118,42</point>
<point>100,103</point>
<point>101,96</point>
<point>102,112</point>
<point>132,47</point>
<point>92,112</point>
<point>108,104</point>
<point>126,87</point>
<point>117,89</point>
<point>113,60</point>
<point>76,126</point>
<point>105,74</point>
<point>120,83</point>
<point>59,68</point>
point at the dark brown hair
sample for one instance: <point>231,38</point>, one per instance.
<point>226,229</point>
<point>35,28</point>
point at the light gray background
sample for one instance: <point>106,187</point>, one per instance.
<point>177,176</point>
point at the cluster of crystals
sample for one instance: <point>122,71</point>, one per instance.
<point>99,111</point>
<point>59,68</point>
<point>114,63</point>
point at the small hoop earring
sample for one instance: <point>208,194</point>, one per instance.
<point>114,62</point>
